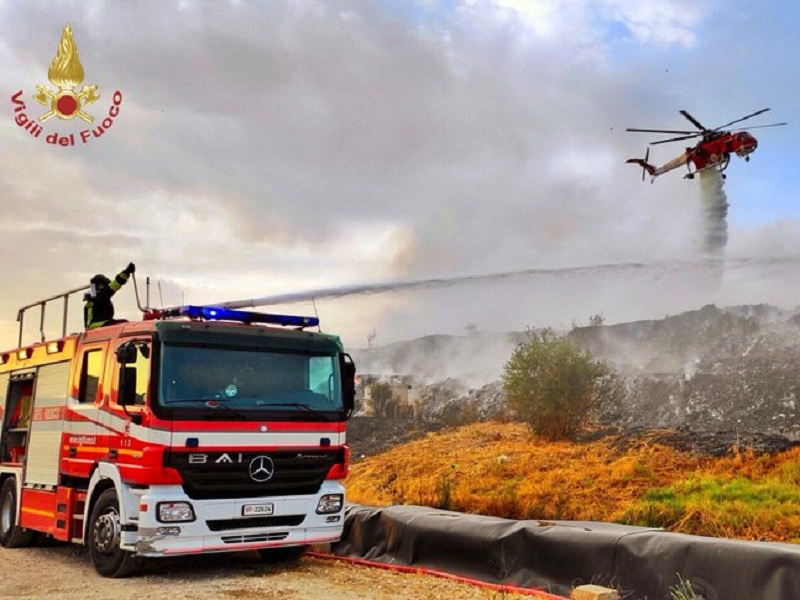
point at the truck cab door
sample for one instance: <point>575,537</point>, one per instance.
<point>129,401</point>
<point>86,437</point>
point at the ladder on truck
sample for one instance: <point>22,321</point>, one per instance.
<point>65,296</point>
<point>42,304</point>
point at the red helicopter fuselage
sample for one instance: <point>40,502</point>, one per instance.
<point>718,149</point>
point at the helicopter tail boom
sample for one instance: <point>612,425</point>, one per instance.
<point>646,166</point>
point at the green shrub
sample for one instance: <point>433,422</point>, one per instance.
<point>555,386</point>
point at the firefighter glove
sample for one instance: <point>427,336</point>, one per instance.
<point>131,268</point>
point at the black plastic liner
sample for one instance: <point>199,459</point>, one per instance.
<point>556,556</point>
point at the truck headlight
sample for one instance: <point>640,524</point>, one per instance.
<point>330,503</point>
<point>174,512</point>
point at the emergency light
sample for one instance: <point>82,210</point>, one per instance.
<point>55,347</point>
<point>214,313</point>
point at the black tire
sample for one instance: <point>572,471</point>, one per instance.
<point>11,535</point>
<point>282,555</point>
<point>104,535</point>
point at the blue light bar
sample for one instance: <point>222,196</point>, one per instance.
<point>214,313</point>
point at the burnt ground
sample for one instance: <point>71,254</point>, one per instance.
<point>703,443</point>
<point>369,436</point>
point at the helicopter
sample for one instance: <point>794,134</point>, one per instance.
<point>713,151</point>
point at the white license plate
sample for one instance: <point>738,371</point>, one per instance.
<point>252,510</point>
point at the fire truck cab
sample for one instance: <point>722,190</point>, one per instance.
<point>194,430</point>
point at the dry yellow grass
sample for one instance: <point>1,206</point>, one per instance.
<point>499,469</point>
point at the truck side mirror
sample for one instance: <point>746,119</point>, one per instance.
<point>126,390</point>
<point>348,370</point>
<point>126,354</point>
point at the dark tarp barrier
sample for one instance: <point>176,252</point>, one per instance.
<point>556,556</point>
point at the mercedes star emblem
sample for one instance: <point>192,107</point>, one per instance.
<point>261,469</point>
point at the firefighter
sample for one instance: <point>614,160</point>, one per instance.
<point>98,310</point>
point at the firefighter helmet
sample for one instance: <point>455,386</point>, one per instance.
<point>100,280</point>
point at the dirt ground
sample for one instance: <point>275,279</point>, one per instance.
<point>63,571</point>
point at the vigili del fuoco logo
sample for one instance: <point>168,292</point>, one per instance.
<point>66,101</point>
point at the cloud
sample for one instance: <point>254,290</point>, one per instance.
<point>264,148</point>
<point>661,22</point>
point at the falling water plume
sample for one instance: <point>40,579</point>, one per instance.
<point>715,208</point>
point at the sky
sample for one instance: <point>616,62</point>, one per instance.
<point>259,149</point>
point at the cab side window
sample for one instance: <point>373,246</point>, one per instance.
<point>91,370</point>
<point>134,373</point>
<point>142,366</point>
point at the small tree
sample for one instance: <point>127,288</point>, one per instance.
<point>554,385</point>
<point>373,335</point>
<point>381,394</point>
<point>597,320</point>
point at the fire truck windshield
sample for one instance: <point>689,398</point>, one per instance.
<point>200,379</point>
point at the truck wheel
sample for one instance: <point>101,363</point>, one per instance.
<point>282,555</point>
<point>108,558</point>
<point>11,535</point>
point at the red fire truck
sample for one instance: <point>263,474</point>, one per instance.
<point>196,429</point>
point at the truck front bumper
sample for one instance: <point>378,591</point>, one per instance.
<point>233,524</point>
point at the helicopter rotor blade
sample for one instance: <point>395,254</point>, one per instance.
<point>758,112</point>
<point>693,121</point>
<point>677,139</point>
<point>659,131</point>
<point>758,127</point>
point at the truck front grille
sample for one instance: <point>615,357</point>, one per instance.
<point>212,475</point>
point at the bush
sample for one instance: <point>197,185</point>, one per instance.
<point>381,394</point>
<point>556,387</point>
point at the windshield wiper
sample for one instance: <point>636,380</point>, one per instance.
<point>217,404</point>
<point>210,403</point>
<point>305,407</point>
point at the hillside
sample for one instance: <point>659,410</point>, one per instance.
<point>473,359</point>
<point>734,369</point>
<point>500,469</point>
